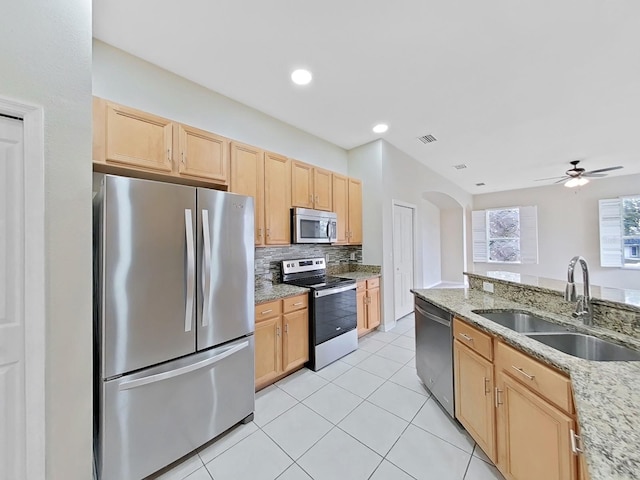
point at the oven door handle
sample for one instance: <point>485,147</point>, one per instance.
<point>331,291</point>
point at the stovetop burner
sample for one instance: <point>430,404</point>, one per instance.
<point>311,273</point>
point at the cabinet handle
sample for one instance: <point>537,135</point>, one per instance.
<point>259,232</point>
<point>519,370</point>
<point>498,392</point>
<point>486,382</point>
<point>317,199</point>
<point>466,337</point>
<point>268,233</point>
<point>168,154</point>
<point>574,443</point>
<point>286,328</point>
<point>183,158</point>
<point>311,199</point>
<point>266,311</point>
<point>297,304</point>
<point>277,331</point>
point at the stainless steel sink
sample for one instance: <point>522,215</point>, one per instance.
<point>521,322</point>
<point>586,346</point>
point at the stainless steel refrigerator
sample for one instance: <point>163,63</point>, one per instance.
<point>173,321</point>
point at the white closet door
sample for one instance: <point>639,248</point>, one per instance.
<point>12,360</point>
<point>402,260</point>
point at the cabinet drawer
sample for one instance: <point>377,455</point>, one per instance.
<point>295,303</point>
<point>373,282</point>
<point>361,286</point>
<point>268,310</point>
<point>473,338</point>
<point>547,382</point>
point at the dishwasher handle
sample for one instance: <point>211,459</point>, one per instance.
<point>443,321</point>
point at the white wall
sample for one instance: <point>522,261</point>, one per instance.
<point>126,79</point>
<point>46,60</point>
<point>406,179</point>
<point>365,163</point>
<point>453,245</point>
<point>429,227</point>
<point>567,226</point>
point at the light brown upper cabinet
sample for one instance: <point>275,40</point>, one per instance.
<point>131,142</point>
<point>202,154</point>
<point>131,138</point>
<point>347,204</point>
<point>310,186</point>
<point>247,178</point>
<point>277,199</point>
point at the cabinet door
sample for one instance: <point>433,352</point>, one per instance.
<point>361,308</point>
<point>474,396</point>
<point>301,185</point>
<point>268,349</point>
<point>277,199</point>
<point>533,436</point>
<point>355,211</point>
<point>373,308</point>
<point>202,154</point>
<point>138,139</point>
<point>295,340</point>
<point>341,205</point>
<point>322,187</point>
<point>247,178</point>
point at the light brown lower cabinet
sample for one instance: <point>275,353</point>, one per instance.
<point>519,410</point>
<point>534,437</point>
<point>368,305</point>
<point>474,397</point>
<point>281,338</point>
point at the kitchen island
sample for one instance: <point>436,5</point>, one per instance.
<point>606,394</point>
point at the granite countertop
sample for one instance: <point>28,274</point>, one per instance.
<point>357,276</point>
<point>267,291</point>
<point>606,394</point>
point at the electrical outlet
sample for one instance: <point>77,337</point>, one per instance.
<point>487,287</point>
<point>352,256</point>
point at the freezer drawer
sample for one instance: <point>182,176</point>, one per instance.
<point>151,418</point>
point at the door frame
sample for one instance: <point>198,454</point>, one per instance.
<point>414,240</point>
<point>34,281</point>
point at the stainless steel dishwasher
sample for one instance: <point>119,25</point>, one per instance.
<point>434,351</point>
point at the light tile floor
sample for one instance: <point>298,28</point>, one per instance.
<point>366,416</point>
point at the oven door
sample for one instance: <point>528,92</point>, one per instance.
<point>333,312</point>
<point>310,228</point>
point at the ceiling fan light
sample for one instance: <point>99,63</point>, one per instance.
<point>576,182</point>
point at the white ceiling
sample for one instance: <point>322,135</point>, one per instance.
<point>514,89</point>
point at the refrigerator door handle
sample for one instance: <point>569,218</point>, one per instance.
<point>191,264</point>
<point>138,382</point>
<point>206,268</point>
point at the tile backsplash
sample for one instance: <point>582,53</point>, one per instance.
<point>267,259</point>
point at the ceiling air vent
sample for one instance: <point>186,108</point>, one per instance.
<point>427,138</point>
<point>460,166</point>
<point>481,184</point>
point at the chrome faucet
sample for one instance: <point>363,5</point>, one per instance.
<point>583,307</point>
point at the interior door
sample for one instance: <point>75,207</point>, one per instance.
<point>12,295</point>
<point>225,270</point>
<point>402,260</point>
<point>147,237</point>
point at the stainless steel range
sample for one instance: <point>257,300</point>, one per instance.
<point>332,310</point>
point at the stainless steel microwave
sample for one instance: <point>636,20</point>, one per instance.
<point>313,226</point>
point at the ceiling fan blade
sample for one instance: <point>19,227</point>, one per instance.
<point>600,170</point>
<point>594,175</point>
<point>563,179</point>
<point>550,178</point>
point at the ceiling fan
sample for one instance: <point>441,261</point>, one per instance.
<point>577,176</point>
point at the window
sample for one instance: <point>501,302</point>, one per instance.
<point>620,232</point>
<point>505,235</point>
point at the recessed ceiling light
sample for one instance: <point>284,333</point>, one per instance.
<point>301,77</point>
<point>381,128</point>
